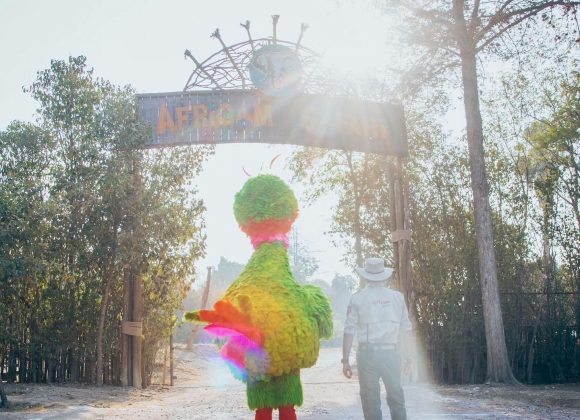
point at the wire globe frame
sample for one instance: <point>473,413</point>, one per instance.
<point>227,69</point>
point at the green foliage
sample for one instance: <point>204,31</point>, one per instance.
<point>446,282</point>
<point>555,153</point>
<point>302,263</point>
<point>342,287</point>
<point>221,277</point>
<point>360,181</point>
<point>224,274</point>
<point>80,207</point>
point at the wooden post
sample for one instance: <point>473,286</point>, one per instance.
<point>3,398</point>
<point>171,358</point>
<point>401,234</point>
<point>190,338</point>
<point>137,340</point>
<point>205,295</point>
<point>126,339</point>
<point>401,238</point>
<point>404,242</point>
<point>393,207</point>
<point>204,300</point>
<point>132,324</point>
<point>165,356</point>
<point>132,331</point>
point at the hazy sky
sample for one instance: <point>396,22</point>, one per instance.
<point>141,43</point>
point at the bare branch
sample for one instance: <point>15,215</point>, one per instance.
<point>505,6</point>
<point>502,31</point>
<point>475,11</point>
<point>503,17</point>
<point>431,15</point>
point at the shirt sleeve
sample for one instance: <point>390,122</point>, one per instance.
<point>351,318</point>
<point>406,325</point>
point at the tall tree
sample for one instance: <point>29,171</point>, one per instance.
<point>82,113</point>
<point>3,398</point>
<point>555,146</point>
<point>359,181</point>
<point>454,33</point>
<point>80,206</point>
<point>302,263</point>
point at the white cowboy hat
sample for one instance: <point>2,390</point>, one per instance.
<point>375,270</point>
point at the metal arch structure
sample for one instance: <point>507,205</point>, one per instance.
<point>268,90</point>
<point>220,104</point>
<point>228,68</point>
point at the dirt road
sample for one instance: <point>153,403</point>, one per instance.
<point>205,389</point>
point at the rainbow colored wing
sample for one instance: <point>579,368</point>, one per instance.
<point>243,348</point>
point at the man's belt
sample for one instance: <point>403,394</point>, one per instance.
<point>377,346</point>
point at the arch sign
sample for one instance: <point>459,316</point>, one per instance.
<point>249,116</point>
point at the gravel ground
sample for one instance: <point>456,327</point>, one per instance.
<point>204,389</point>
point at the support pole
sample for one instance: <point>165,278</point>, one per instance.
<point>406,239</point>
<point>165,357</point>
<point>3,398</point>
<point>401,233</point>
<point>393,208</point>
<point>204,300</point>
<point>137,340</point>
<point>171,358</point>
<point>205,296</point>
<point>131,325</point>
<point>126,339</point>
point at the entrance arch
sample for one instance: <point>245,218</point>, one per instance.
<point>273,91</point>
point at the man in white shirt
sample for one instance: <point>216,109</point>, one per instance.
<point>379,318</point>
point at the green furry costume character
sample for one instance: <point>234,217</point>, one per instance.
<point>269,325</point>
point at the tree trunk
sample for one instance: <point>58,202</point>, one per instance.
<point>137,341</point>
<point>548,272</point>
<point>101,329</point>
<point>126,378</point>
<point>171,357</point>
<point>531,351</point>
<point>393,209</point>
<point>74,365</point>
<point>50,369</point>
<point>105,303</point>
<point>165,360</point>
<point>403,245</point>
<point>498,367</point>
<point>356,215</point>
<point>12,366</point>
<point>577,348</point>
<point>22,363</point>
<point>3,398</point>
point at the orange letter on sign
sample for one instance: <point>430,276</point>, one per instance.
<point>181,115</point>
<point>227,117</point>
<point>199,116</point>
<point>165,121</point>
<point>263,114</point>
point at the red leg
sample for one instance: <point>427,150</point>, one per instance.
<point>264,413</point>
<point>287,413</point>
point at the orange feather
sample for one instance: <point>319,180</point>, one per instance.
<point>225,314</point>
